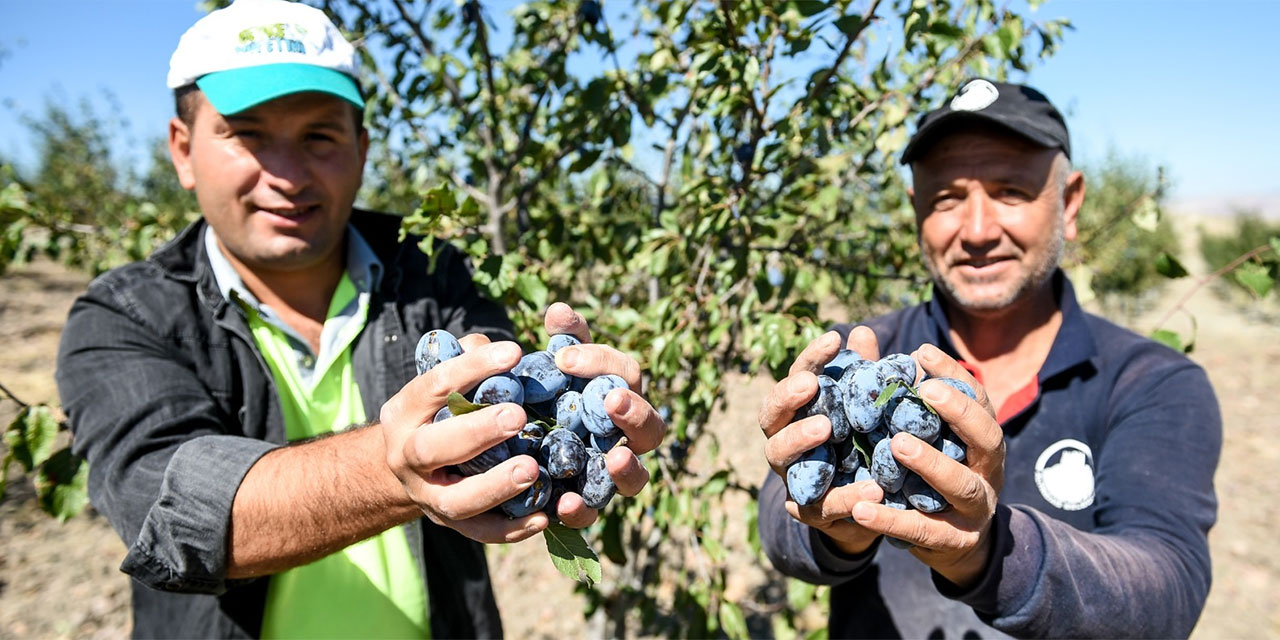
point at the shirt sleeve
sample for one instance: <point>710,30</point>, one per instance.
<point>163,467</point>
<point>798,550</point>
<point>1144,571</point>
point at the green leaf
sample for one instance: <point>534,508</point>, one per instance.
<point>1169,267</point>
<point>808,7</point>
<point>800,593</point>
<point>886,393</point>
<point>459,405</point>
<point>717,484</point>
<point>31,436</point>
<point>1255,277</point>
<point>849,25</point>
<point>1274,241</point>
<point>1146,215</point>
<point>1168,338</point>
<point>4,473</point>
<point>531,288</point>
<point>611,536</point>
<point>817,634</point>
<point>571,555</point>
<point>732,621</point>
<point>61,485</point>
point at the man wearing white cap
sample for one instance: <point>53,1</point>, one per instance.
<point>286,316</point>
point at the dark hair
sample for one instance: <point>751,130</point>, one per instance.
<point>186,101</point>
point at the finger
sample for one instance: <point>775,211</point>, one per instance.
<point>473,341</point>
<point>592,360</point>
<point>629,476</point>
<point>817,354</point>
<point>970,421</point>
<point>938,364</point>
<point>574,513</point>
<point>784,398</point>
<point>496,528</point>
<point>464,497</point>
<point>791,442</point>
<point>419,400</point>
<point>838,503</point>
<point>843,531</point>
<point>561,318</point>
<point>939,531</point>
<point>965,489</point>
<point>637,418</point>
<point>463,437</point>
<point>863,340</point>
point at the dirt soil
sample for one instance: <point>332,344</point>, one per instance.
<point>61,580</point>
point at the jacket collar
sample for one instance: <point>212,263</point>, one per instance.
<point>1072,346</point>
<point>185,258</point>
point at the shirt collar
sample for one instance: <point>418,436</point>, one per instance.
<point>363,267</point>
<point>1071,347</point>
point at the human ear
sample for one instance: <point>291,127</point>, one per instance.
<point>1072,200</point>
<point>180,152</point>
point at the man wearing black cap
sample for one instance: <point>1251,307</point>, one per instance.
<point>1083,503</point>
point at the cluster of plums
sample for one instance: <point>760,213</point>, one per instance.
<point>850,391</point>
<point>568,431</point>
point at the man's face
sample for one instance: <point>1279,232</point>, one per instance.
<point>277,181</point>
<point>992,217</point>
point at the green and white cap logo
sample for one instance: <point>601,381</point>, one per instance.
<point>259,50</point>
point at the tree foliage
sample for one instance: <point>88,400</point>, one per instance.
<point>710,183</point>
<point>1253,237</point>
<point>697,178</point>
<point>81,204</point>
<point>1123,234</point>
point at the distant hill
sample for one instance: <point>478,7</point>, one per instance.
<point>1266,204</point>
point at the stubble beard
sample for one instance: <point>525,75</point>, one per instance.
<point>1040,274</point>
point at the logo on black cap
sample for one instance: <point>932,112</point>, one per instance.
<point>975,96</point>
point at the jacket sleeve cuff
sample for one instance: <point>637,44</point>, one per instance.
<point>836,562</point>
<point>182,545</point>
<point>1017,554</point>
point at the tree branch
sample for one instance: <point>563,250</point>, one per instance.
<point>1256,251</point>
<point>12,397</point>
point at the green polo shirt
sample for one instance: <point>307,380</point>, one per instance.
<point>371,589</point>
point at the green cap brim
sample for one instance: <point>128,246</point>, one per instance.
<point>235,90</point>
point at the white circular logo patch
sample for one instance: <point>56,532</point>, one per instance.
<point>1064,475</point>
<point>975,96</point>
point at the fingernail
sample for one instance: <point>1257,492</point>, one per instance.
<point>933,392</point>
<point>907,446</point>
<point>623,403</point>
<point>503,353</point>
<point>798,384</point>
<point>871,492</point>
<point>522,475</point>
<point>863,512</point>
<point>509,417</point>
<point>817,430</point>
<point>568,357</point>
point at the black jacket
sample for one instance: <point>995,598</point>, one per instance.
<point>171,403</point>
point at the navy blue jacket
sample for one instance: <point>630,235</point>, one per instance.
<point>1102,525</point>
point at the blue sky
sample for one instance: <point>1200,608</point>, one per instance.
<point>1189,85</point>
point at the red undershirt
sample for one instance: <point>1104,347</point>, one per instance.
<point>1021,399</point>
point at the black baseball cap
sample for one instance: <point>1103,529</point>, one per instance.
<point>1017,108</point>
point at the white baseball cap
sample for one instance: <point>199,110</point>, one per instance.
<point>259,50</point>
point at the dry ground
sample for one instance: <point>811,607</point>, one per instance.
<point>60,581</point>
